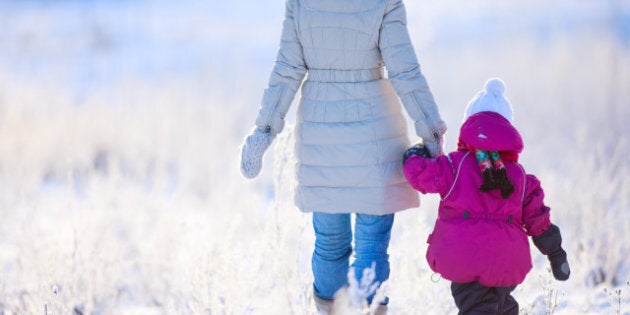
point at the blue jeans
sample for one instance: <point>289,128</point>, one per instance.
<point>333,247</point>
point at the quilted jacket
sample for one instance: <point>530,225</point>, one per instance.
<point>350,131</point>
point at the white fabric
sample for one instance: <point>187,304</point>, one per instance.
<point>350,132</point>
<point>491,99</point>
<point>435,147</point>
<point>252,152</point>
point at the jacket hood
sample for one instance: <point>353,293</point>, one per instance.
<point>490,131</point>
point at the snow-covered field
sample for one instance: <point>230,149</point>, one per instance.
<point>120,127</point>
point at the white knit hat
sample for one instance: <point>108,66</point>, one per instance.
<point>490,99</point>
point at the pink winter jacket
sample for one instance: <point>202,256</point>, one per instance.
<point>481,236</point>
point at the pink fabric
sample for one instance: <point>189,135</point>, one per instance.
<point>481,236</point>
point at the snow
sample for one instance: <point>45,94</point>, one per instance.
<point>120,127</point>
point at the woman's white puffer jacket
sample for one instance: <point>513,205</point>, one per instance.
<point>350,132</point>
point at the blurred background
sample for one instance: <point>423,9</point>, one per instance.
<point>120,131</point>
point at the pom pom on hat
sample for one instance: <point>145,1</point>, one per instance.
<point>495,86</point>
<point>490,99</point>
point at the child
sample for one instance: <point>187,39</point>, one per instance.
<point>488,207</point>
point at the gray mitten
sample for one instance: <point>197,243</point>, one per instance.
<point>549,243</point>
<point>253,150</point>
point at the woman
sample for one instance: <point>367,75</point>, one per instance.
<point>350,131</point>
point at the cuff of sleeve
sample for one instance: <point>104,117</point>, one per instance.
<point>423,130</point>
<point>273,127</point>
<point>432,131</point>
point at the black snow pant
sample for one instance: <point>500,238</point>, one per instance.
<point>473,298</point>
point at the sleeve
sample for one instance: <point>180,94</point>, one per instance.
<point>434,175</point>
<point>404,72</point>
<point>286,77</point>
<point>535,213</point>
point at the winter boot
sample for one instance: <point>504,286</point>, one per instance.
<point>380,310</point>
<point>549,243</point>
<point>324,306</point>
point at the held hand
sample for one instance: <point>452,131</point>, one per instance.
<point>434,145</point>
<point>418,149</point>
<point>253,150</point>
<point>432,136</point>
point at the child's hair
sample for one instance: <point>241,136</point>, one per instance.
<point>493,173</point>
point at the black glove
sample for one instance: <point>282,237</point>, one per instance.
<point>418,149</point>
<point>549,243</point>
